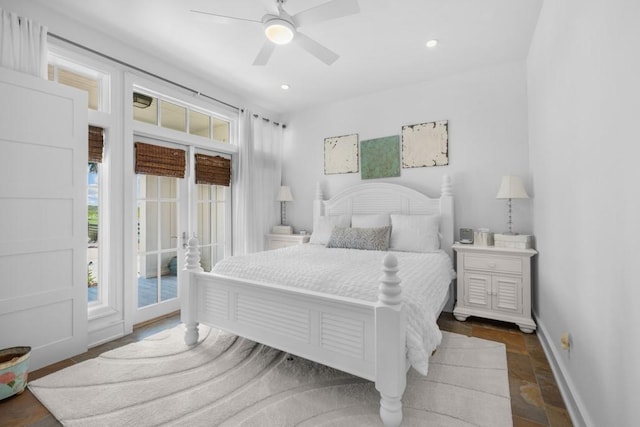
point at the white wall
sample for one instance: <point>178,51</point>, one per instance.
<point>584,103</point>
<point>487,117</point>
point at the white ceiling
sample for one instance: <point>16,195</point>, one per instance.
<point>381,47</point>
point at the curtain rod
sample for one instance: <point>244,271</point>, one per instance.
<point>195,92</point>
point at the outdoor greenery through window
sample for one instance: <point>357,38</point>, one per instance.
<point>93,200</point>
<point>174,115</point>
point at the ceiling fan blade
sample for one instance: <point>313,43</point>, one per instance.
<point>331,10</point>
<point>265,53</point>
<point>316,49</point>
<point>222,19</point>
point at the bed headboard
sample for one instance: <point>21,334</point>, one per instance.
<point>380,197</point>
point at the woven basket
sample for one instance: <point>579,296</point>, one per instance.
<point>14,367</point>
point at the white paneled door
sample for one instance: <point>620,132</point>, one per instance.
<point>43,217</point>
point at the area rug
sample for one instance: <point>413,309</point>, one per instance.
<point>230,381</point>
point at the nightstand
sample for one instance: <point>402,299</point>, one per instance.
<point>276,241</point>
<point>494,283</point>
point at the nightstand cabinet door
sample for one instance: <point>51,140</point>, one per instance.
<point>477,288</point>
<point>507,294</point>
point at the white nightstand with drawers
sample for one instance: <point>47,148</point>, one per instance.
<point>494,283</point>
<point>277,241</point>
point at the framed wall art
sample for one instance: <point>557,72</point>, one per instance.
<point>341,154</point>
<point>380,157</point>
<point>425,144</point>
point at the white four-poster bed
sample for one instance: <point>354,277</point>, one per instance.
<point>362,337</point>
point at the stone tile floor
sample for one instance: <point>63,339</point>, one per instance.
<point>535,398</point>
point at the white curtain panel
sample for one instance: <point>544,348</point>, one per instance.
<point>23,44</point>
<point>256,182</point>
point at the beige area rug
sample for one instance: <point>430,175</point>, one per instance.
<point>231,381</point>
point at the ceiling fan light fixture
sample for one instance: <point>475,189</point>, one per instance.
<point>279,31</point>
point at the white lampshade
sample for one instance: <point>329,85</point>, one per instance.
<point>284,195</point>
<point>511,188</point>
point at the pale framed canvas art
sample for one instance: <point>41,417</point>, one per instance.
<point>341,154</point>
<point>380,157</point>
<point>425,144</point>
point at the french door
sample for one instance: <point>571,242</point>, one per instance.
<point>170,210</point>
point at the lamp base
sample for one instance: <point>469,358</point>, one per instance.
<point>282,229</point>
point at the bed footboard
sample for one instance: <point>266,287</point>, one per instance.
<point>366,339</point>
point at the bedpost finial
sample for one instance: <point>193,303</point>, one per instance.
<point>192,255</point>
<point>390,290</point>
<point>446,188</point>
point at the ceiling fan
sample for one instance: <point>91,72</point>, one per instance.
<point>283,28</point>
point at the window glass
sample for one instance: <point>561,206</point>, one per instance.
<point>199,124</point>
<point>160,111</point>
<point>93,259</point>
<point>220,130</point>
<point>173,116</point>
<point>76,78</point>
<point>145,108</point>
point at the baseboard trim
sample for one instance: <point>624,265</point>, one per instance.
<point>105,334</point>
<point>567,389</point>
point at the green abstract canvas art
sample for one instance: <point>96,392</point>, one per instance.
<point>380,157</point>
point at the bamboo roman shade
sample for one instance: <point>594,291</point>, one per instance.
<point>96,144</point>
<point>213,170</point>
<point>160,161</point>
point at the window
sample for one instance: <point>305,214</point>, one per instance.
<point>95,148</point>
<point>94,82</point>
<point>171,114</point>
<point>73,71</point>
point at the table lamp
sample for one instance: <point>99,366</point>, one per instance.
<point>511,188</point>
<point>284,196</point>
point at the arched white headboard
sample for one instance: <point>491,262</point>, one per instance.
<point>380,197</point>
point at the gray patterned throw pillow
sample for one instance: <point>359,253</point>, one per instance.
<point>373,239</point>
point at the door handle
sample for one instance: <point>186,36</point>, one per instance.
<point>184,239</point>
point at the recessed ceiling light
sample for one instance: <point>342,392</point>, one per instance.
<point>432,43</point>
<point>284,86</point>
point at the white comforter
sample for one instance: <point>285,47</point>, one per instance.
<point>356,273</point>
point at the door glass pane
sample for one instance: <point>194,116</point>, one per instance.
<point>168,187</point>
<point>205,258</point>
<point>219,221</point>
<point>169,227</point>
<point>220,193</point>
<point>147,280</point>
<point>198,124</point>
<point>149,226</point>
<point>204,223</point>
<point>210,225</point>
<point>157,239</point>
<point>173,116</point>
<point>219,253</point>
<point>169,279</point>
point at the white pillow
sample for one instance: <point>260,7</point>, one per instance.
<point>324,227</point>
<point>415,233</point>
<point>370,221</point>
